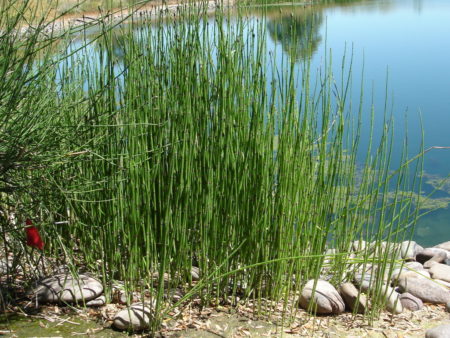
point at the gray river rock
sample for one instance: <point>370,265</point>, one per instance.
<point>445,246</point>
<point>433,254</point>
<point>441,331</point>
<point>66,288</point>
<point>96,302</point>
<point>409,250</point>
<point>440,271</point>
<point>135,318</point>
<point>355,300</point>
<point>411,302</point>
<point>324,300</point>
<point>393,303</point>
<point>425,289</point>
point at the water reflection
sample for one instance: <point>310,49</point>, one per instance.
<point>298,32</point>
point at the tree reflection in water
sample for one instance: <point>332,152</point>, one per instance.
<point>298,33</point>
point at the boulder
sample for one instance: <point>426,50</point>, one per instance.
<point>355,300</point>
<point>68,289</point>
<point>410,302</point>
<point>441,331</point>
<point>444,246</point>
<point>425,289</point>
<point>440,271</point>
<point>323,299</point>
<point>135,318</point>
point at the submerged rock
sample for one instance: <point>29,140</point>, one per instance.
<point>67,288</point>
<point>441,331</point>
<point>355,300</point>
<point>425,289</point>
<point>135,318</point>
<point>324,300</point>
<point>411,302</point>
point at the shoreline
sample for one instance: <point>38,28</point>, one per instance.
<point>118,16</point>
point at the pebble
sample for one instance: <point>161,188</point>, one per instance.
<point>325,300</point>
<point>135,318</point>
<point>355,300</point>
<point>441,331</point>
<point>411,302</point>
<point>425,289</point>
<point>66,288</point>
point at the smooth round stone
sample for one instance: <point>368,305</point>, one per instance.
<point>411,302</point>
<point>324,300</point>
<point>99,301</point>
<point>195,273</point>
<point>135,318</point>
<point>435,254</point>
<point>444,246</point>
<point>364,281</point>
<point>441,331</point>
<point>440,271</point>
<point>409,250</point>
<point>425,289</point>
<point>355,300</point>
<point>393,303</point>
<point>67,288</point>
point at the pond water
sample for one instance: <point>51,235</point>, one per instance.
<point>400,48</point>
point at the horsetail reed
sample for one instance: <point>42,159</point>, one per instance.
<point>182,142</point>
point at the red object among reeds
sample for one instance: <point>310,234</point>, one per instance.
<point>33,238</point>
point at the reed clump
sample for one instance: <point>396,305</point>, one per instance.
<point>184,142</point>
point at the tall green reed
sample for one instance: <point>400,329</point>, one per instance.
<point>181,142</point>
<point>201,150</point>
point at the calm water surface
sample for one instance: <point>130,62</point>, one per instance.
<point>403,45</point>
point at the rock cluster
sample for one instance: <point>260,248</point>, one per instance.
<point>423,276</point>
